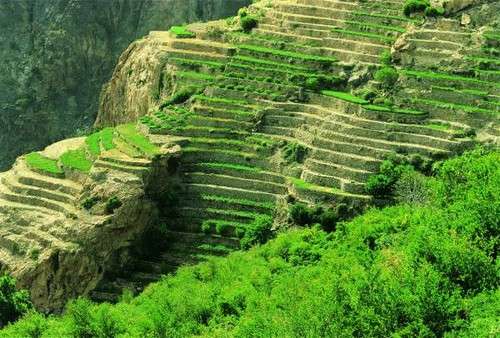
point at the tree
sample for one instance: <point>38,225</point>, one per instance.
<point>13,303</point>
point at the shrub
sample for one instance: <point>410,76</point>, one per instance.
<point>411,188</point>
<point>182,96</point>
<point>258,232</point>
<point>382,184</point>
<point>13,303</point>
<point>112,204</point>
<point>82,318</point>
<point>294,152</point>
<point>303,215</point>
<point>386,58</point>
<point>90,202</point>
<point>414,6</point>
<point>434,12</point>
<point>248,23</point>
<point>387,76</point>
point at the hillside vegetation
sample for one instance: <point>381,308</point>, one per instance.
<point>214,137</point>
<point>428,270</point>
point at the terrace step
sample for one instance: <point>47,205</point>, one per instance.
<point>337,170</point>
<point>250,173</point>
<point>221,202</point>
<point>35,201</point>
<point>241,183</point>
<point>15,186</point>
<point>333,182</point>
<point>236,193</point>
<point>28,177</point>
<point>347,159</point>
<point>194,55</point>
<point>135,170</point>
<point>204,46</point>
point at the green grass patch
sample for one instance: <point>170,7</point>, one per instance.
<point>40,162</point>
<point>76,159</point>
<point>344,96</point>
<point>438,126</point>
<point>289,54</point>
<point>130,134</point>
<point>107,136</point>
<point>456,106</point>
<point>93,143</point>
<point>182,32</point>
<point>448,77</point>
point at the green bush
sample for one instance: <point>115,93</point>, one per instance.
<point>90,202</point>
<point>434,12</point>
<point>294,152</point>
<point>13,303</point>
<point>248,23</point>
<point>382,184</point>
<point>415,6</point>
<point>386,58</point>
<point>258,232</point>
<point>302,215</point>
<point>181,96</point>
<point>387,76</point>
<point>112,204</point>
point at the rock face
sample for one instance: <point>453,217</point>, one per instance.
<point>56,54</point>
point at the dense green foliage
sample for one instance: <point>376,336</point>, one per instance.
<point>112,204</point>
<point>13,303</point>
<point>387,76</point>
<point>414,6</point>
<point>426,270</point>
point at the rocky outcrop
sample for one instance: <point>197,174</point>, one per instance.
<point>59,256</point>
<point>56,55</point>
<point>131,91</point>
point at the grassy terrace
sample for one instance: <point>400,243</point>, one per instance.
<point>456,106</point>
<point>288,54</point>
<point>448,77</point>
<point>366,104</point>
<point>39,162</point>
<point>77,160</point>
<point>130,134</point>
<point>181,32</point>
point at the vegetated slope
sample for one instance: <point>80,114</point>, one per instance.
<point>408,270</point>
<point>307,107</point>
<point>57,54</point>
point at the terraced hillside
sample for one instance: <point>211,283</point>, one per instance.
<point>304,107</point>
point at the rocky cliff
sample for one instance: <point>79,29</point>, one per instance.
<point>56,54</point>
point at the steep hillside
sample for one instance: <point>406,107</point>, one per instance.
<point>236,121</point>
<point>57,54</point>
<point>421,270</point>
